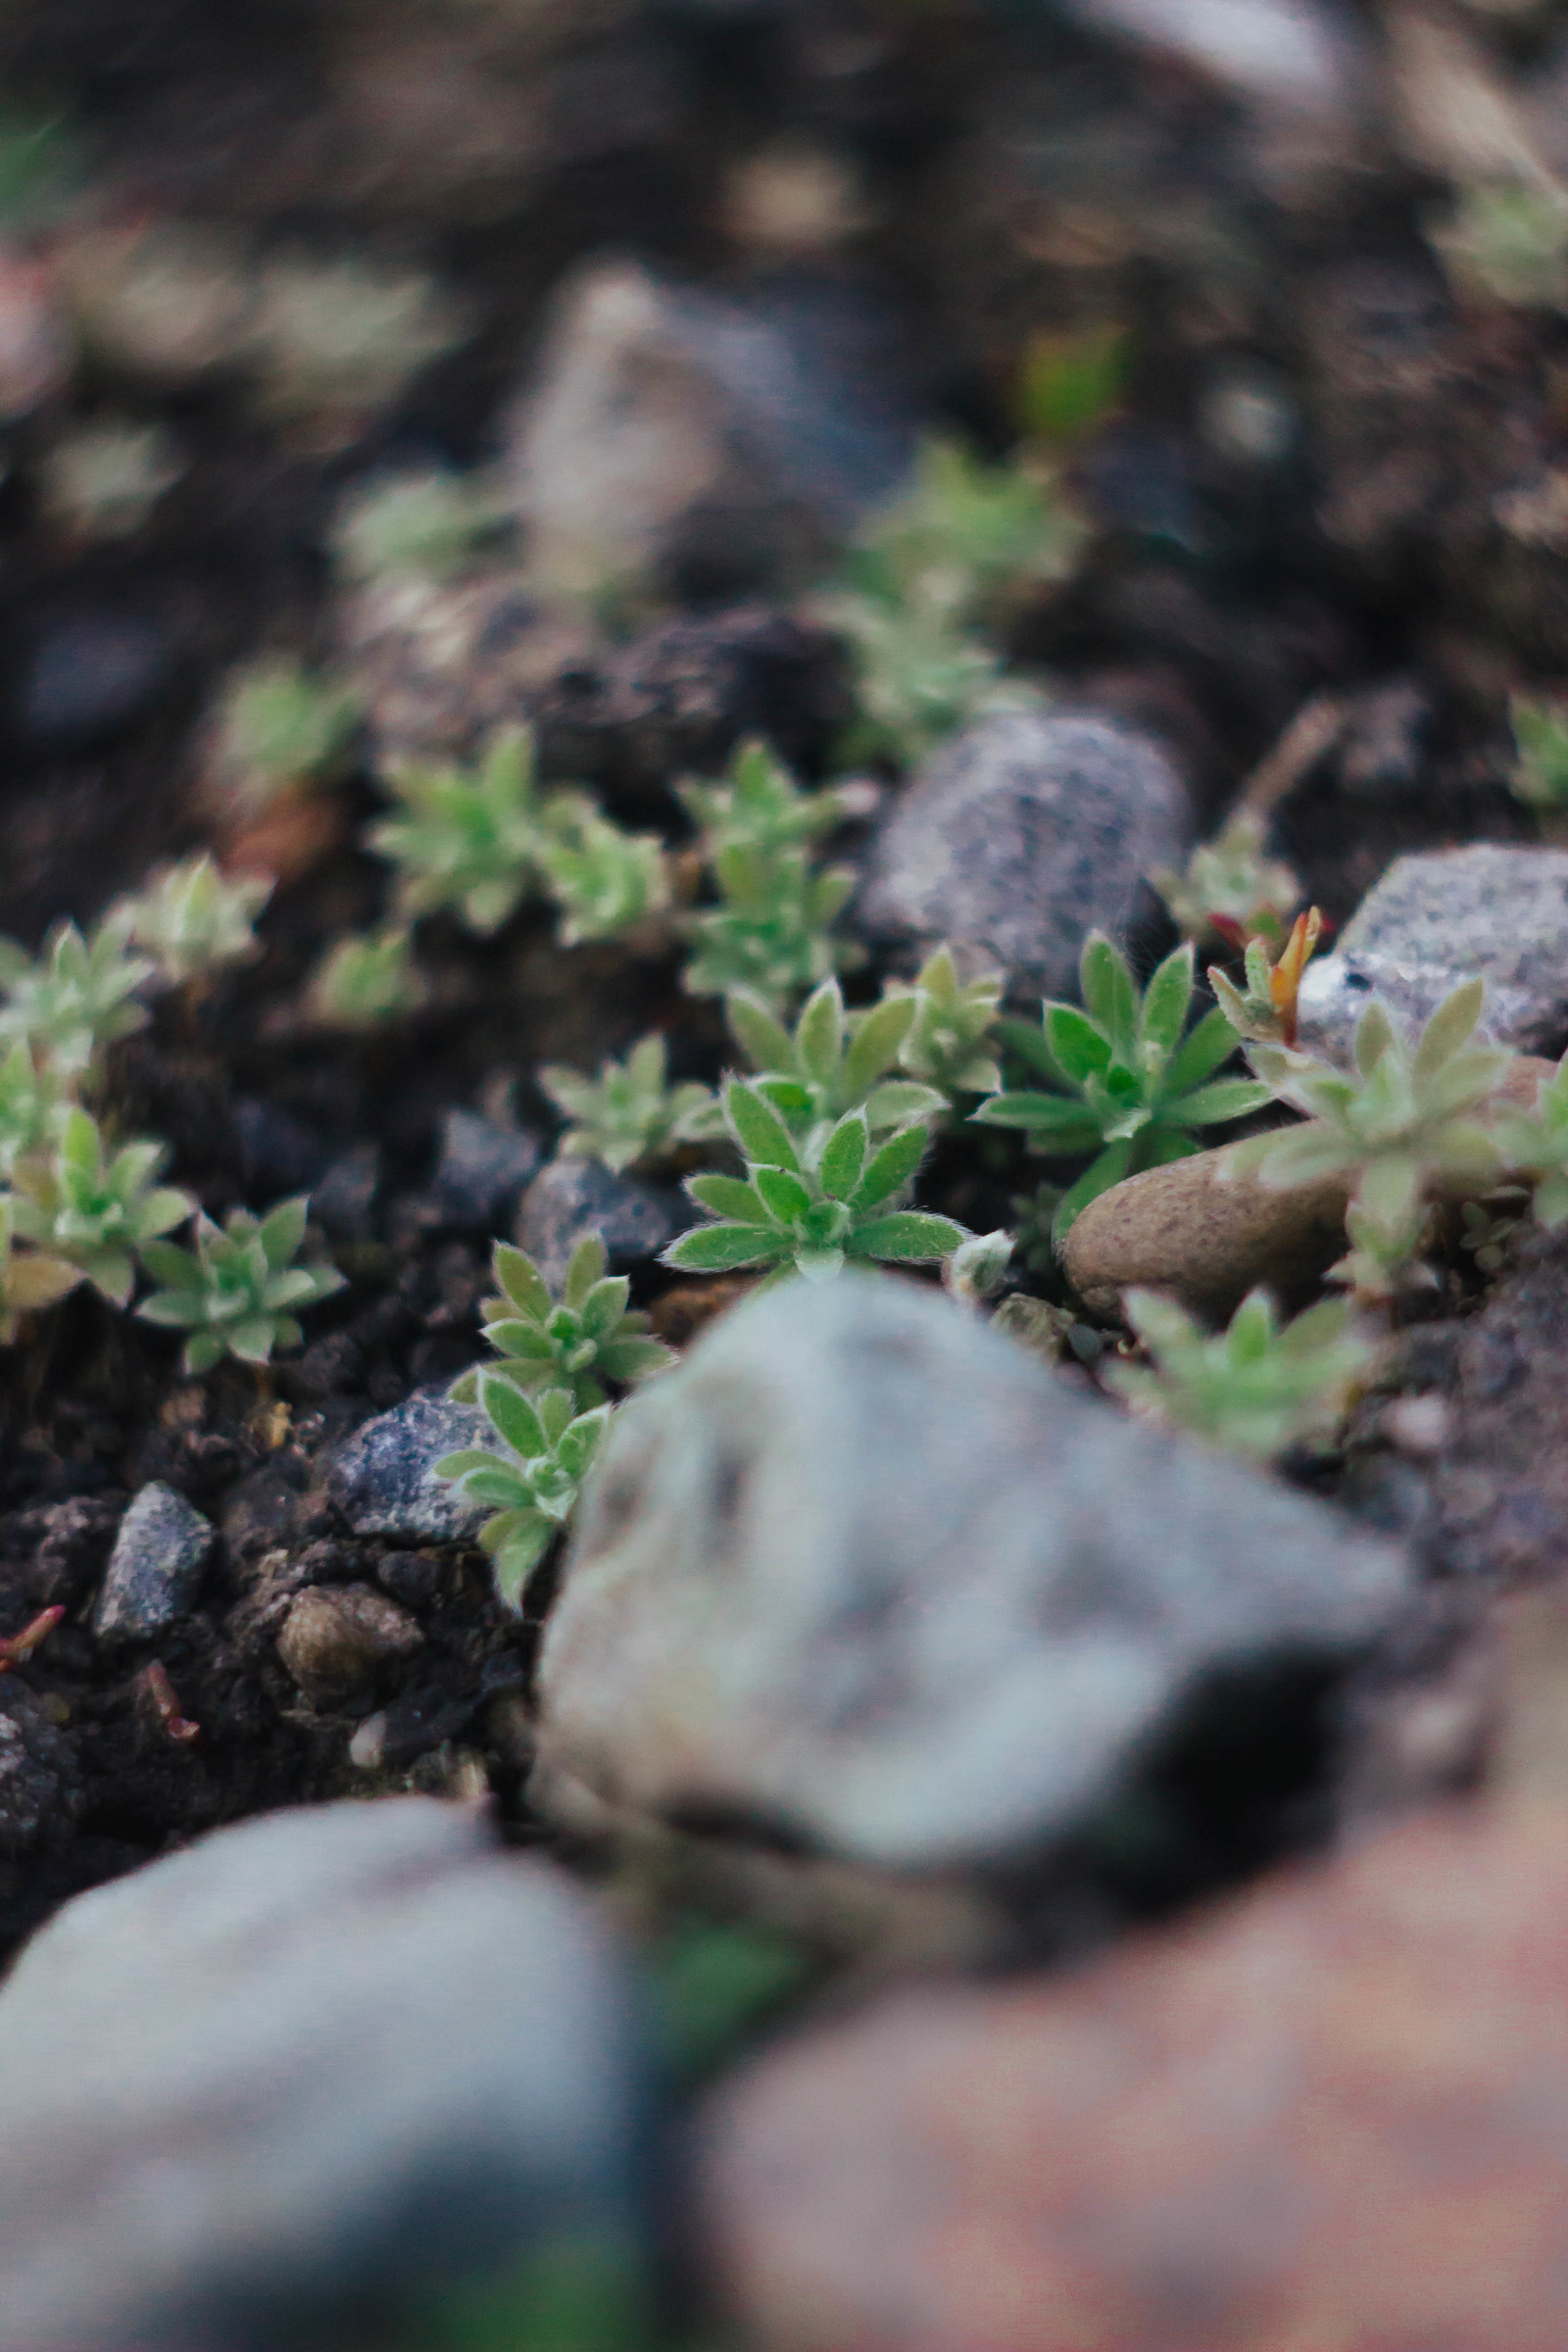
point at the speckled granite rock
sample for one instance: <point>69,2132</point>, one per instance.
<point>384,1479</point>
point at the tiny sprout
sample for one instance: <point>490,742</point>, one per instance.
<point>578,1342</point>
<point>1540,732</point>
<point>1400,1128</point>
<point>1230,891</point>
<point>918,676</point>
<point>33,1102</point>
<point>534,1484</point>
<point>1267,1010</point>
<point>366,979</point>
<point>1535,1143</point>
<point>759,808</point>
<point>419,527</point>
<point>190,920</point>
<point>1508,242</point>
<point>965,539</point>
<point>950,1039</point>
<point>978,1267</point>
<point>629,1114</point>
<point>1253,1386</point>
<point>810,1209</point>
<point>1131,1088</point>
<point>278,729</point>
<point>102,480</point>
<point>76,998</point>
<point>467,839</point>
<point>29,1279</point>
<point>831,1063</point>
<point>771,932</point>
<point>236,1292</point>
<point>604,880</point>
<point>1487,1225</point>
<point>341,337</point>
<point>94,1209</point>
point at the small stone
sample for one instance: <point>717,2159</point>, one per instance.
<point>411,1577</point>
<point>339,1639</point>
<point>91,670</point>
<point>1502,1478</point>
<point>483,1168</point>
<point>40,1791</point>
<point>1018,837</point>
<point>154,1570</point>
<point>571,1199</point>
<point>343,1201</point>
<point>1437,919</point>
<point>700,444</point>
<point>1334,2113</point>
<point>327,2065</point>
<point>383,1480</point>
<point>1187,1229</point>
<point>866,1571</point>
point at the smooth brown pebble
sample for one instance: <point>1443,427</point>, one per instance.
<point>1188,1229</point>
<point>1332,2117</point>
<point>336,1638</point>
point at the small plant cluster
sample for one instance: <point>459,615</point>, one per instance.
<point>77,1205</point>
<point>1255,1386</point>
<point>1231,892</point>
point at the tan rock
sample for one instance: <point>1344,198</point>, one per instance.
<point>337,1639</point>
<point>1333,2116</point>
<point>1188,1229</point>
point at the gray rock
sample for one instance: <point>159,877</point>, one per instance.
<point>866,1570</point>
<point>93,670</point>
<point>335,2053</point>
<point>154,1570</point>
<point>1019,836</point>
<point>1437,918</point>
<point>343,1201</point>
<point>40,1790</point>
<point>698,442</point>
<point>383,1478</point>
<point>572,1198</point>
<point>483,1168</point>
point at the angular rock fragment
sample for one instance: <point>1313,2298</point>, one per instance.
<point>154,1570</point>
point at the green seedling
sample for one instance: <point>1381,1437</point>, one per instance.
<point>758,809</point>
<point>1255,1386</point>
<point>101,481</point>
<point>1128,1084</point>
<point>1401,1128</point>
<point>978,1267</point>
<point>950,1043</point>
<point>341,337</point>
<point>236,1292</point>
<point>576,1343</point>
<point>367,979</point>
<point>772,933</point>
<point>93,1209</point>
<point>1230,892</point>
<point>1070,382</point>
<point>1535,1143</point>
<point>1540,733</point>
<point>279,730</point>
<point>467,839</point>
<point>29,1279</point>
<point>629,1116</point>
<point>810,1209</point>
<point>918,677</point>
<point>77,999</point>
<point>417,526</point>
<point>1265,1008</point>
<point>33,1102</point>
<point>832,1061</point>
<point>604,880</point>
<point>191,921</point>
<point>532,1487</point>
<point>965,539</point>
<point>1508,242</point>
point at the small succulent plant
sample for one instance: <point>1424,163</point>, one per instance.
<point>335,337</point>
<point>190,920</point>
<point>1254,1387</point>
<point>29,1279</point>
<point>759,808</point>
<point>1265,1008</point>
<point>102,480</point>
<point>33,1102</point>
<point>1127,1084</point>
<point>604,880</point>
<point>78,998</point>
<point>95,1209</point>
<point>236,1294</point>
<point>429,525</point>
<point>965,537</point>
<point>1405,1125</point>
<point>466,838</point>
<point>809,1210</point>
<point>1534,1142</point>
<point>576,1343</point>
<point>366,979</point>
<point>831,1061</point>
<point>1230,892</point>
<point>278,729</point>
<point>770,932</point>
<point>950,1039</point>
<point>978,1267</point>
<point>1507,240</point>
<point>532,1487</point>
<point>918,676</point>
<point>1072,379</point>
<point>1540,732</point>
<point>629,1116</point>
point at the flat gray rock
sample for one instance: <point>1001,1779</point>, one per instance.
<point>864,1569</point>
<point>1018,837</point>
<point>696,441</point>
<point>154,1570</point>
<point>1435,919</point>
<point>337,2051</point>
<point>570,1198</point>
<point>383,1478</point>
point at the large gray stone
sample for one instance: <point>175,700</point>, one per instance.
<point>384,1479</point>
<point>691,441</point>
<point>864,1569</point>
<point>335,2051</point>
<point>1435,919</point>
<point>1019,836</point>
<point>154,1570</point>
